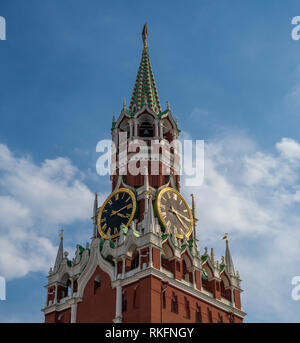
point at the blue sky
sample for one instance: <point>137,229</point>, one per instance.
<point>231,73</point>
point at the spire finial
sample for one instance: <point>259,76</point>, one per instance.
<point>226,237</point>
<point>61,234</point>
<point>145,84</point>
<point>145,35</point>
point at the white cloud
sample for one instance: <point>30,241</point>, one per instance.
<point>255,197</point>
<point>34,201</point>
<point>289,149</point>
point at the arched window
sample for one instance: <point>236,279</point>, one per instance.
<point>205,284</point>
<point>174,303</point>
<point>225,293</point>
<point>135,261</point>
<point>63,289</point>
<point>187,308</point>
<point>167,253</point>
<point>146,129</point>
<point>198,314</point>
<point>205,275</point>
<point>220,318</point>
<point>209,314</point>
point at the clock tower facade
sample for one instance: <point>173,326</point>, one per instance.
<point>143,263</point>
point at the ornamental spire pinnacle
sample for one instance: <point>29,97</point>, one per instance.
<point>145,35</point>
<point>228,258</point>
<point>194,216</point>
<point>95,215</point>
<point>60,253</point>
<point>145,92</point>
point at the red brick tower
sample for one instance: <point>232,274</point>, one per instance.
<point>143,263</point>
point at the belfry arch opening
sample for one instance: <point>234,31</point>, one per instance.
<point>64,289</point>
<point>146,126</point>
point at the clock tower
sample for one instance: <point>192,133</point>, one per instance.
<point>143,263</point>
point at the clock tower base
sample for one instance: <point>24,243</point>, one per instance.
<point>139,281</point>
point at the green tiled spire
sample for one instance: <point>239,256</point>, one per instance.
<point>145,88</point>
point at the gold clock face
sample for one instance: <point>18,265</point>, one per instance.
<point>119,208</point>
<point>174,213</point>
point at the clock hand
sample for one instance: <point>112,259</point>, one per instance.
<point>115,212</point>
<point>180,219</point>
<point>120,215</point>
<point>183,224</point>
<point>181,215</point>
